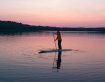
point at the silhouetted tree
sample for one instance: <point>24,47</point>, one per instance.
<point>11,26</point>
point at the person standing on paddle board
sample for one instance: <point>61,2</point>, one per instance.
<point>59,39</point>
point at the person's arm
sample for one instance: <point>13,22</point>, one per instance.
<point>56,38</point>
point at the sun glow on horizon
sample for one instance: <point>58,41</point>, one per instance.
<point>63,13</point>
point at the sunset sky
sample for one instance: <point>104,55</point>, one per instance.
<point>62,13</point>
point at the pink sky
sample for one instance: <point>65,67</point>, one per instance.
<point>63,13</point>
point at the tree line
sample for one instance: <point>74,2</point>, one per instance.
<point>11,26</point>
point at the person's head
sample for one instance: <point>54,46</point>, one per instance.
<point>58,32</point>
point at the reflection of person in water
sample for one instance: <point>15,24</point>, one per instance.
<point>59,60</point>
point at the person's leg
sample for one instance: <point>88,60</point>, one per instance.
<point>59,44</point>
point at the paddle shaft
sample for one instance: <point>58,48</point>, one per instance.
<point>55,42</point>
<point>56,49</point>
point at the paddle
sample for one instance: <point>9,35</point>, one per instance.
<point>54,41</point>
<point>55,52</point>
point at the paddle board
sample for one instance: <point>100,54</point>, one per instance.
<point>54,50</point>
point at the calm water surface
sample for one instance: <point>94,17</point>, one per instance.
<point>20,60</point>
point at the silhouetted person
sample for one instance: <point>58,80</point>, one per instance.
<point>59,60</point>
<point>59,39</point>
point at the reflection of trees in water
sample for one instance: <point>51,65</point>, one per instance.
<point>36,33</point>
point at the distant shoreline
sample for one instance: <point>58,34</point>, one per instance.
<point>10,26</point>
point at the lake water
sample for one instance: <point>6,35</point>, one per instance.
<point>20,60</point>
